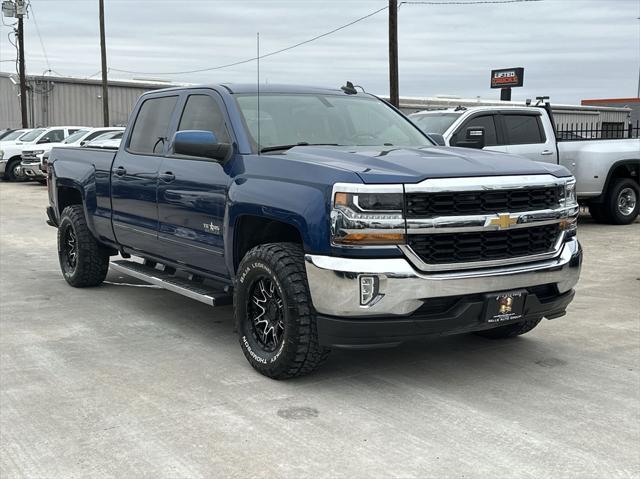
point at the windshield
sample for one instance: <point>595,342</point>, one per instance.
<point>435,122</point>
<point>290,119</point>
<point>32,135</point>
<point>75,136</point>
<point>13,135</point>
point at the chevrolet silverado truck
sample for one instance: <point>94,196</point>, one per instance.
<point>326,217</point>
<point>606,171</point>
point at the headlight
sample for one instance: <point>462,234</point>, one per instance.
<point>570,224</point>
<point>367,215</point>
<point>37,152</point>
<point>570,198</point>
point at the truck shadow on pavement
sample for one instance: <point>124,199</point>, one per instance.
<point>462,358</point>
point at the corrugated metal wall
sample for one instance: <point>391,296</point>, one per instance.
<point>70,101</point>
<point>53,101</point>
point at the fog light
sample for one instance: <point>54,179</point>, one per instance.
<point>368,289</point>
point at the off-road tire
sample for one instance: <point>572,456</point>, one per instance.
<point>510,330</point>
<point>612,213</point>
<point>298,352</point>
<point>92,260</point>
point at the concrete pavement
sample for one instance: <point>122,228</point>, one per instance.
<point>131,381</point>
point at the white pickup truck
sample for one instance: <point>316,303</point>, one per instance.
<point>606,171</point>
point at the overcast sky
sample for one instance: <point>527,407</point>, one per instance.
<point>570,49</point>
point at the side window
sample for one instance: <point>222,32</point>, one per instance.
<point>486,121</point>
<point>54,136</point>
<point>91,136</point>
<point>523,129</point>
<point>201,112</point>
<point>152,123</point>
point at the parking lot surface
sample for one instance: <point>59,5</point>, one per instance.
<point>131,381</point>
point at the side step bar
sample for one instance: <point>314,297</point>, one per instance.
<point>191,289</point>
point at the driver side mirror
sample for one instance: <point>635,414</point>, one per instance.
<point>474,138</point>
<point>44,140</point>
<point>201,144</point>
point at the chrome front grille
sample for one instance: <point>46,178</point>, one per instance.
<point>464,223</point>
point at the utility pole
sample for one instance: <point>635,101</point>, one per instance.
<point>394,96</point>
<point>103,54</point>
<point>23,77</point>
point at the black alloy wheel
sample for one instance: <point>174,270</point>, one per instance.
<point>265,313</point>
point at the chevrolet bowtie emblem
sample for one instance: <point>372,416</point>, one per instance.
<point>503,221</point>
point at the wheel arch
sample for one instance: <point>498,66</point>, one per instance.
<point>629,168</point>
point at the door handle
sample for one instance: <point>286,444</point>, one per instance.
<point>120,171</point>
<point>546,152</point>
<point>167,177</point>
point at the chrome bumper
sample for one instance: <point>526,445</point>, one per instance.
<point>335,286</point>
<point>32,170</point>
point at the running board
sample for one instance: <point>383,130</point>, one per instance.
<point>191,289</point>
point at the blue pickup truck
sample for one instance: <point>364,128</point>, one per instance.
<point>325,216</point>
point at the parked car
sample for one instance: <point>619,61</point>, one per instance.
<point>6,132</point>
<point>32,159</point>
<point>11,154</point>
<point>606,170</point>
<point>13,137</point>
<point>327,219</point>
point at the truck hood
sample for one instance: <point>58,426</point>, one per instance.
<point>406,165</point>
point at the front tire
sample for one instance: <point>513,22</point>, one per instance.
<point>12,172</point>
<point>510,330</point>
<point>84,263</point>
<point>274,314</point>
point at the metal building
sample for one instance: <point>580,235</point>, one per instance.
<point>57,101</point>
<point>75,101</point>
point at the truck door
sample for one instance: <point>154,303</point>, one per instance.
<point>488,122</point>
<point>134,176</point>
<point>525,136</point>
<point>192,191</point>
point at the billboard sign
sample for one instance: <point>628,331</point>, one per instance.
<point>507,77</point>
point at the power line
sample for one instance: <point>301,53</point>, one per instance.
<point>470,2</point>
<point>200,70</point>
<point>44,51</point>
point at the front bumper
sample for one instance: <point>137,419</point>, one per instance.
<point>32,170</point>
<point>406,295</point>
<point>3,166</point>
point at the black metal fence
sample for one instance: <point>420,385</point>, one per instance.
<point>595,131</point>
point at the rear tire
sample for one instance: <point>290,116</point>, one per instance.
<point>83,261</point>
<point>621,202</point>
<point>510,330</point>
<point>274,314</point>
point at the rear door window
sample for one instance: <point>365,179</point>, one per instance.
<point>150,130</point>
<point>523,129</point>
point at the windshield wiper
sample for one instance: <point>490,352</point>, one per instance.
<point>300,143</point>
